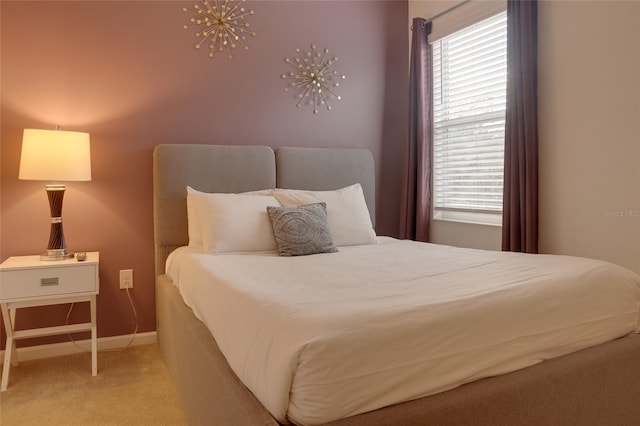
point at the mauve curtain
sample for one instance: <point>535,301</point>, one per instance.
<point>416,185</point>
<point>520,209</point>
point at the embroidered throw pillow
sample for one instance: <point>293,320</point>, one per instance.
<point>301,230</point>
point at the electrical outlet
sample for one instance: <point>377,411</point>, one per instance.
<point>126,278</point>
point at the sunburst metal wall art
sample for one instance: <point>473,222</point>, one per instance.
<point>313,77</point>
<point>221,23</point>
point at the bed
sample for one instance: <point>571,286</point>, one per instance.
<point>596,385</point>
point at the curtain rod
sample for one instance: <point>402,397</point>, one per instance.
<point>451,9</point>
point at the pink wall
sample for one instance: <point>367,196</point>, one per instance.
<point>127,73</point>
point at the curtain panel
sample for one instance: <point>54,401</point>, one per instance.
<point>416,186</point>
<point>520,199</point>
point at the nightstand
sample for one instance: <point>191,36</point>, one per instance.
<point>26,281</point>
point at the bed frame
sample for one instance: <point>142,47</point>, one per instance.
<point>595,386</point>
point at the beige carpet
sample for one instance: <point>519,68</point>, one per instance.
<point>132,387</point>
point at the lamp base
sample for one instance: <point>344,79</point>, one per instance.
<point>56,255</point>
<point>57,247</point>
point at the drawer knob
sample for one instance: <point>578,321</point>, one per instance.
<point>49,281</point>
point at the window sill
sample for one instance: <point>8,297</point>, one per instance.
<point>468,222</point>
<point>471,217</point>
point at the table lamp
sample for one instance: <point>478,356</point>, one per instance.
<point>55,155</point>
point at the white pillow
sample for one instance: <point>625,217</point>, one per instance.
<point>193,221</point>
<point>235,222</point>
<point>347,212</point>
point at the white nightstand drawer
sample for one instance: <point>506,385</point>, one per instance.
<point>37,282</point>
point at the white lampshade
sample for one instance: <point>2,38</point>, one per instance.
<point>55,155</point>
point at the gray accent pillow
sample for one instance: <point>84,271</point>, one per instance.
<point>301,230</point>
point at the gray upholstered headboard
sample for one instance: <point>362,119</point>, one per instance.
<point>221,168</point>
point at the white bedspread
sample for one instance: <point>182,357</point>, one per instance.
<point>321,337</point>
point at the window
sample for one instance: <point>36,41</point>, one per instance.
<point>469,97</point>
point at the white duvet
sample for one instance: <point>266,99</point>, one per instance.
<point>321,337</point>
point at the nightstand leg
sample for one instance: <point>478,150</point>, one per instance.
<point>94,337</point>
<point>14,351</point>
<point>7,365</point>
<point>8,326</point>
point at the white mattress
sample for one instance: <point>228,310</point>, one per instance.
<point>321,337</point>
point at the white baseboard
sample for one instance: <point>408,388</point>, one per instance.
<point>67,348</point>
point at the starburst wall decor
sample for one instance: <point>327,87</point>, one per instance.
<point>314,78</point>
<point>221,23</point>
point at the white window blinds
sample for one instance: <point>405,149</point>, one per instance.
<point>469,96</point>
